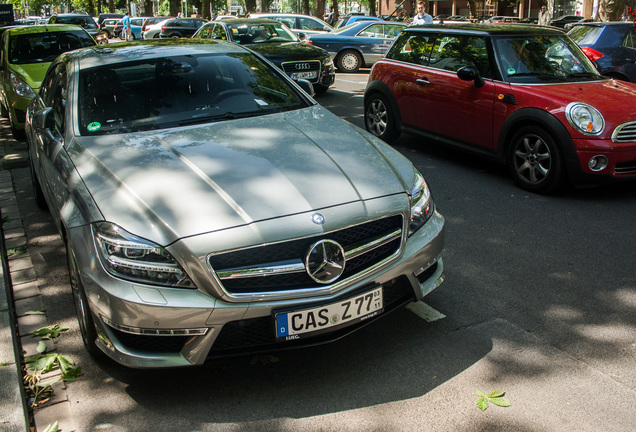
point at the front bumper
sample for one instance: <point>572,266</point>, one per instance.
<point>621,161</point>
<point>151,327</point>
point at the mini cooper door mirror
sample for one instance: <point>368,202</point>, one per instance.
<point>469,73</point>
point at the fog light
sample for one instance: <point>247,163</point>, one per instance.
<point>597,163</point>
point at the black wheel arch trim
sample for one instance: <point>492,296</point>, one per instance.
<point>384,90</point>
<point>554,126</point>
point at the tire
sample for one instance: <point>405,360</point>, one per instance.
<point>3,111</point>
<point>82,310</point>
<point>320,89</point>
<point>18,134</point>
<point>535,160</point>
<point>349,61</point>
<point>379,118</point>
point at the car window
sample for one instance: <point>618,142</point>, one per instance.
<point>585,35</point>
<point>392,30</point>
<point>219,32</point>
<point>309,24</point>
<point>86,22</point>
<point>246,34</point>
<point>630,39</point>
<point>373,31</point>
<point>288,21</point>
<point>45,47</point>
<point>454,52</point>
<point>194,89</point>
<point>414,49</point>
<point>53,94</point>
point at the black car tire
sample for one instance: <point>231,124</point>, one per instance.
<point>84,314</point>
<point>3,111</point>
<point>535,160</point>
<point>18,134</point>
<point>349,61</point>
<point>379,118</point>
<point>320,89</point>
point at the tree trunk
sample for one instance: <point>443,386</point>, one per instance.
<point>306,7</point>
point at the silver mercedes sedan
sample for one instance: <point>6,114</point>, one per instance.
<point>210,207</point>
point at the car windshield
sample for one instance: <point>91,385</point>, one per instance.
<point>258,33</point>
<point>178,91</point>
<point>45,47</point>
<point>543,58</point>
<point>85,22</point>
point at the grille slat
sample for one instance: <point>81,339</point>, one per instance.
<point>296,250</point>
<point>625,133</point>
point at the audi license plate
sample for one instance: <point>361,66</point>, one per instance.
<point>305,322</point>
<point>305,75</point>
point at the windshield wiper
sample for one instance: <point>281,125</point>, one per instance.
<point>583,75</point>
<point>203,118</point>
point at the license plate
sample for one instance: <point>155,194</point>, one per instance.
<point>304,75</point>
<point>306,322</point>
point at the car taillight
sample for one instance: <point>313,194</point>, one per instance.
<point>592,54</point>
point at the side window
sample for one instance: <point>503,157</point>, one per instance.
<point>219,32</point>
<point>391,31</point>
<point>289,22</point>
<point>206,32</point>
<point>309,24</point>
<point>374,31</point>
<point>46,89</point>
<point>629,41</point>
<point>58,95</point>
<point>453,52</point>
<point>414,49</point>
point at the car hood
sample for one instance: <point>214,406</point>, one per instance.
<point>182,182</point>
<point>614,99</point>
<point>32,73</point>
<point>279,52</point>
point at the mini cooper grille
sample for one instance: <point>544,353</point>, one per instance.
<point>306,66</point>
<point>625,133</point>
<point>296,250</point>
<point>625,167</point>
<point>257,334</point>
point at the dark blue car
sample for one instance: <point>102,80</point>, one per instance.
<point>611,45</point>
<point>358,45</point>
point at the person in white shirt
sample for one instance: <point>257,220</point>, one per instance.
<point>422,17</point>
<point>544,16</point>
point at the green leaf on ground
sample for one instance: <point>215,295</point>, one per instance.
<point>495,396</point>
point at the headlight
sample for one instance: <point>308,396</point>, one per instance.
<point>328,62</point>
<point>585,118</point>
<point>20,87</point>
<point>130,257</point>
<point>422,206</point>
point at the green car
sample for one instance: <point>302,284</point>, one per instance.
<point>25,55</point>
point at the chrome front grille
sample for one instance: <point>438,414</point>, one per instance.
<point>303,66</point>
<point>625,133</point>
<point>280,267</point>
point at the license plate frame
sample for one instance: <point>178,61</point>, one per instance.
<point>311,321</point>
<point>305,75</point>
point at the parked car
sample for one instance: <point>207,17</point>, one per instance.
<point>525,95</point>
<point>279,45</point>
<point>529,20</point>
<point>105,16</point>
<point>565,19</point>
<point>25,54</point>
<point>502,19</point>
<point>152,31</point>
<point>610,45</point>
<point>181,27</point>
<point>347,19</point>
<point>136,24</point>
<point>358,45</point>
<point>83,20</point>
<point>149,21</point>
<point>569,26</point>
<point>228,212</point>
<point>299,24</point>
<point>111,27</point>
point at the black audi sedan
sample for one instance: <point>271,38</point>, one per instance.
<point>278,44</point>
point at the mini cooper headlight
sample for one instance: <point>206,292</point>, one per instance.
<point>130,257</point>
<point>585,118</point>
<point>422,206</point>
<point>20,87</point>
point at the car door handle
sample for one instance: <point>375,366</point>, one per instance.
<point>422,81</point>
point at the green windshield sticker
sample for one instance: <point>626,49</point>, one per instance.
<point>94,127</point>
<point>511,71</point>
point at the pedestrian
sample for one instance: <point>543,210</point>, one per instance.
<point>544,16</point>
<point>422,17</point>
<point>331,17</point>
<point>126,23</point>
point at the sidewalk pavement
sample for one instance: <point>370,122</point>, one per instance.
<point>19,294</point>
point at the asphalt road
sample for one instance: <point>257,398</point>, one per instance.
<point>539,302</point>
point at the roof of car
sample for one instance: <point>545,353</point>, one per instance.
<point>42,28</point>
<point>606,24</point>
<point>246,21</point>
<point>485,30</point>
<point>123,52</point>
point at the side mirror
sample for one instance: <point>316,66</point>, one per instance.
<point>469,73</point>
<point>301,36</point>
<point>306,86</point>
<point>44,119</point>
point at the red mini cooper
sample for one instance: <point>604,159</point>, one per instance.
<point>525,95</point>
